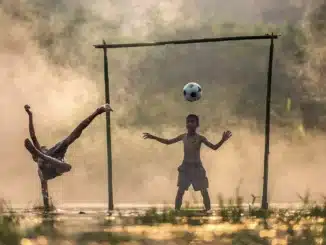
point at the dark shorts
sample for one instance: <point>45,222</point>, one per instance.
<point>58,151</point>
<point>195,176</point>
<point>49,173</point>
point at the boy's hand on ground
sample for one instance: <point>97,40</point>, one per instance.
<point>28,109</point>
<point>148,136</point>
<point>226,135</point>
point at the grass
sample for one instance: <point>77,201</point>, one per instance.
<point>9,223</point>
<point>39,208</point>
<point>232,225</point>
<point>170,216</point>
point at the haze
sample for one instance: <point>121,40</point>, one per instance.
<point>62,80</point>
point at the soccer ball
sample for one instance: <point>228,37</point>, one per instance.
<point>192,91</point>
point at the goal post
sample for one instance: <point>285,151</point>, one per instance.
<point>105,47</point>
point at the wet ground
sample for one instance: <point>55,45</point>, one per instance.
<point>145,225</point>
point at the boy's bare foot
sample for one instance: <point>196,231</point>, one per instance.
<point>105,108</point>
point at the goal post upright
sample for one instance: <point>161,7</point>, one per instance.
<point>108,129</point>
<point>264,202</point>
<point>104,46</point>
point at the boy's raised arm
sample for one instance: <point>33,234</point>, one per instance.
<point>225,137</point>
<point>31,127</point>
<point>163,141</point>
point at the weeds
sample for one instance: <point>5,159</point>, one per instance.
<point>233,212</point>
<point>171,216</point>
<point>9,225</point>
<point>39,208</point>
<point>153,217</point>
<point>303,226</point>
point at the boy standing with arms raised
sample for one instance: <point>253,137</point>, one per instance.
<point>191,171</point>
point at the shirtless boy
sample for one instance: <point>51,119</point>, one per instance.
<point>51,163</point>
<point>191,171</point>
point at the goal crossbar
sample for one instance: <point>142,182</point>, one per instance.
<point>186,41</point>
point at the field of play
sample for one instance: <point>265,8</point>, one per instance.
<point>132,122</point>
<point>230,223</point>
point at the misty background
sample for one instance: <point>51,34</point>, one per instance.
<point>47,60</point>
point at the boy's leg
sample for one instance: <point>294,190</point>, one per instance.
<point>183,185</point>
<point>76,133</point>
<point>62,166</point>
<point>178,198</point>
<point>200,182</point>
<point>206,199</point>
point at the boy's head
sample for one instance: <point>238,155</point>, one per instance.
<point>192,122</point>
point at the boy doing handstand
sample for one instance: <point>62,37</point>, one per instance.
<point>51,162</point>
<point>191,171</point>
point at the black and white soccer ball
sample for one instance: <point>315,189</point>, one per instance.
<point>192,92</point>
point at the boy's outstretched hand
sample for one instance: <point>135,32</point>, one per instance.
<point>226,135</point>
<point>148,136</point>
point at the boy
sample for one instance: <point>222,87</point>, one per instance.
<point>51,162</point>
<point>191,171</point>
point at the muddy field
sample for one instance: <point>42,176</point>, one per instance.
<point>227,224</point>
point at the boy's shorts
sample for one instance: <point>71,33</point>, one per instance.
<point>58,151</point>
<point>195,176</point>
